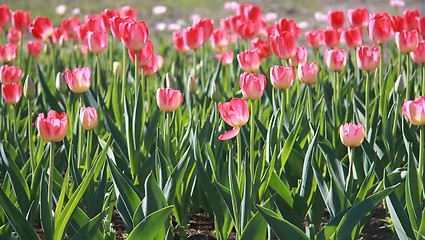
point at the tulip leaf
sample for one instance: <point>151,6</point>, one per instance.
<point>153,226</point>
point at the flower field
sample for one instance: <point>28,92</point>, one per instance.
<point>272,128</point>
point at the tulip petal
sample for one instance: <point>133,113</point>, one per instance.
<point>229,134</point>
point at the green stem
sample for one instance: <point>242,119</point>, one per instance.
<point>239,144</point>
<point>282,112</point>
<point>310,103</point>
<point>88,149</point>
<point>421,152</point>
<point>167,134</point>
<point>30,142</point>
<point>111,54</point>
<point>20,51</point>
<point>367,102</point>
<point>27,68</point>
<point>124,73</point>
<point>51,167</point>
<point>136,75</point>
<point>53,60</point>
<point>80,136</point>
<point>251,143</point>
<point>423,79</point>
<point>408,78</point>
<point>99,77</point>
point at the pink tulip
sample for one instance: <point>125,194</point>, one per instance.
<point>282,77</point>
<point>159,61</point>
<point>179,42</point>
<point>335,59</point>
<point>14,36</point>
<point>410,17</point>
<point>414,110</point>
<point>220,40</point>
<point>9,52</point>
<point>418,55</point>
<point>307,73</point>
<point>93,22</point>
<point>10,74</point>
<point>420,26</point>
<point>194,37</point>
<point>406,41</point>
<point>206,25</point>
<point>34,48</point>
<point>287,25</point>
<point>247,29</point>
<point>336,19</point>
<point>11,93</point>
<point>78,80</point>
<point>358,17</point>
<point>41,28</point>
<point>351,135</point>
<point>299,57</point>
<point>168,99</point>
<point>134,35</point>
<point>252,85</point>
<point>53,128</point>
<point>82,48</point>
<point>236,114</point>
<point>115,25</point>
<point>315,38</point>
<point>283,45</point>
<point>249,61</point>
<point>332,37</point>
<point>379,28</point>
<point>262,46</point>
<point>59,36</point>
<point>226,57</point>
<point>5,16</point>
<point>21,20</point>
<point>398,23</point>
<point>352,37</point>
<point>71,26</point>
<point>127,11</point>
<point>368,58</point>
<point>106,17</point>
<point>88,117</point>
<point>153,66</point>
<point>97,41</point>
<point>144,55</point>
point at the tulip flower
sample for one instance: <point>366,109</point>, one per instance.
<point>78,80</point>
<point>414,110</point>
<point>336,19</point>
<point>115,25</point>
<point>82,32</point>
<point>168,99</point>
<point>5,16</point>
<point>21,20</point>
<point>153,66</point>
<point>358,17</point>
<point>332,37</point>
<point>179,42</point>
<point>219,40</point>
<point>262,46</point>
<point>59,36</point>
<point>287,25</point>
<point>145,55</point>
<point>250,12</point>
<point>307,73</point>
<point>315,38</point>
<point>41,28</point>
<point>134,35</point>
<point>106,17</point>
<point>379,28</point>
<point>406,41</point>
<point>194,37</point>
<point>71,26</point>
<point>247,29</point>
<point>368,58</point>
<point>236,114</point>
<point>398,23</point>
<point>127,11</point>
<point>8,53</point>
<point>206,25</point>
<point>410,17</point>
<point>53,128</point>
<point>82,48</point>
<point>249,61</point>
<point>282,77</point>
<point>352,37</point>
<point>418,55</point>
<point>335,59</point>
<point>420,26</point>
<point>10,74</point>
<point>226,57</point>
<point>14,36</point>
<point>283,45</point>
<point>252,85</point>
<point>93,22</point>
<point>97,41</point>
<point>88,117</point>
<point>11,93</point>
<point>299,57</point>
<point>351,135</point>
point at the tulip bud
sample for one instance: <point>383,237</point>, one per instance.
<point>215,95</point>
<point>399,85</point>
<point>61,85</point>
<point>117,68</point>
<point>171,82</point>
<point>29,88</point>
<point>192,84</point>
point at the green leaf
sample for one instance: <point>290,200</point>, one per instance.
<point>290,140</point>
<point>90,229</point>
<point>255,229</point>
<point>282,228</point>
<point>45,210</point>
<point>153,226</point>
<point>154,198</point>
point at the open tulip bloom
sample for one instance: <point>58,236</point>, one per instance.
<point>236,114</point>
<point>53,128</point>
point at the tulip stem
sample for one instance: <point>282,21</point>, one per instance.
<point>51,167</point>
<point>282,112</point>
<point>136,75</point>
<point>54,60</point>
<point>99,78</point>
<point>167,136</point>
<point>80,134</point>
<point>310,103</point>
<point>382,97</point>
<point>423,79</point>
<point>30,142</point>
<point>239,145</point>
<point>350,177</point>
<point>88,149</point>
<point>28,65</point>
<point>20,51</point>
<point>367,90</point>
<point>252,143</point>
<point>124,72</point>
<point>111,54</point>
<point>408,77</point>
<point>421,152</point>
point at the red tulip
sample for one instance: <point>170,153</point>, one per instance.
<point>406,41</point>
<point>282,77</point>
<point>262,46</point>
<point>414,111</point>
<point>134,34</point>
<point>418,55</point>
<point>97,41</point>
<point>10,74</point>
<point>335,59</point>
<point>307,73</point>
<point>351,135</point>
<point>236,114</point>
<point>144,55</point>
<point>358,17</point>
<point>5,15</point>
<point>226,24</point>
<point>420,26</point>
<point>93,22</point>
<point>252,85</point>
<point>398,23</point>
<point>78,80</point>
<point>352,37</point>
<point>249,61</point>
<point>153,66</point>
<point>88,118</point>
<point>299,57</point>
<point>14,36</point>
<point>250,12</point>
<point>41,28</point>
<point>179,42</point>
<point>11,93</point>
<point>82,32</point>
<point>287,25</point>
<point>332,37</point>
<point>21,20</point>
<point>59,36</point>
<point>8,53</point>
<point>127,11</point>
<point>168,99</point>
<point>53,128</point>
<point>368,58</point>
<point>71,26</point>
<point>315,38</point>
<point>34,48</point>
<point>226,57</point>
<point>106,17</point>
<point>379,28</point>
<point>410,16</point>
<point>220,40</point>
<point>336,19</point>
<point>207,26</point>
<point>247,29</point>
<point>283,45</point>
<point>194,37</point>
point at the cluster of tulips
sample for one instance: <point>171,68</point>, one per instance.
<point>150,158</point>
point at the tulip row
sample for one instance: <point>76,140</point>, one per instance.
<point>275,180</point>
